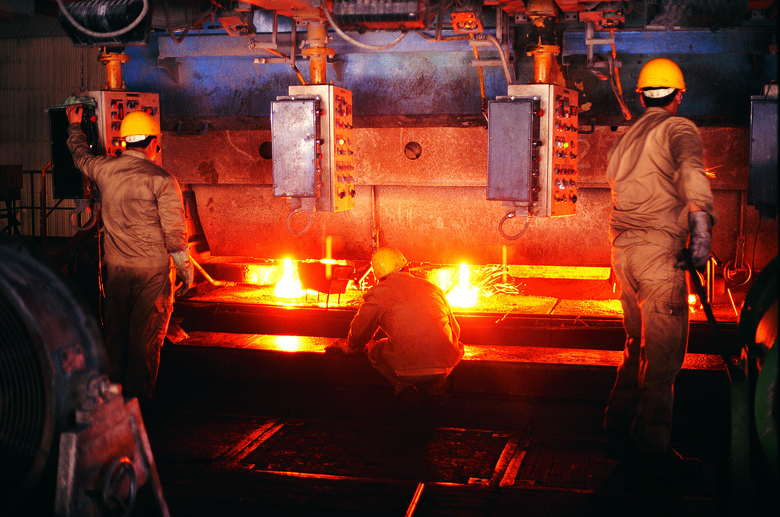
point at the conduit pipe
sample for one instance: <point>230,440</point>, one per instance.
<point>510,77</point>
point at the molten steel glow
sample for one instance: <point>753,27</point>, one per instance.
<point>463,295</point>
<point>288,286</point>
<point>692,303</point>
<point>289,343</point>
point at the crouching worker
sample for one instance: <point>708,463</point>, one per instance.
<point>421,347</point>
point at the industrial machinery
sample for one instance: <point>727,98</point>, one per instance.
<point>112,106</point>
<point>532,151</point>
<point>70,443</point>
<point>102,119</point>
<point>313,157</point>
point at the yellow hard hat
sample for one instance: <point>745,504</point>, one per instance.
<point>387,260</point>
<point>660,73</point>
<point>138,125</point>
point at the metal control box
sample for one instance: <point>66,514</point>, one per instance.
<point>295,140</point>
<point>101,125</point>
<point>545,159</point>
<point>314,120</point>
<point>513,137</point>
<point>762,174</point>
<point>112,106</point>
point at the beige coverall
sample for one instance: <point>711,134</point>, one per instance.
<point>655,170</point>
<point>422,332</point>
<point>143,218</point>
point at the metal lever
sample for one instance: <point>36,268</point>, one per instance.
<point>733,367</point>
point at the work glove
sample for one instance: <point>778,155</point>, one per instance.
<point>701,239</point>
<point>185,271</point>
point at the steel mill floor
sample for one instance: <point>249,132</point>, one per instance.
<point>248,424</point>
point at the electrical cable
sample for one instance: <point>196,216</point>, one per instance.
<point>508,73</point>
<point>170,26</point>
<point>616,89</point>
<point>308,225</point>
<point>355,42</point>
<point>111,34</point>
<point>614,78</point>
<point>483,101</point>
<point>510,215</point>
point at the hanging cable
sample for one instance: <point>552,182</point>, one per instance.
<point>614,82</point>
<point>112,34</point>
<point>508,73</point>
<point>308,224</point>
<point>483,102</point>
<point>170,25</point>
<point>614,78</point>
<point>355,42</point>
<point>509,215</point>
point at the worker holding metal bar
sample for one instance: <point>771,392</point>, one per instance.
<point>422,344</point>
<point>144,231</point>
<point>661,196</point>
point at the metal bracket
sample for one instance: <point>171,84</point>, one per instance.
<point>338,68</point>
<point>171,67</point>
<point>590,42</point>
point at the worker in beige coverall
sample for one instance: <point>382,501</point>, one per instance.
<point>144,231</point>
<point>422,344</point>
<point>660,194</point>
